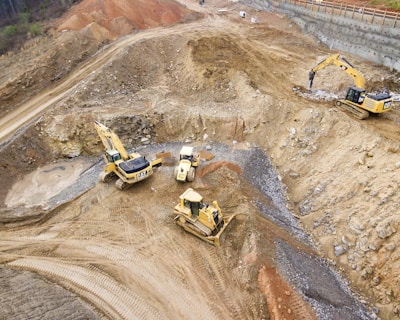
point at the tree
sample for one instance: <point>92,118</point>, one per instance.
<point>12,6</point>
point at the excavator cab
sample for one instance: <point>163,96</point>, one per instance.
<point>355,95</point>
<point>113,155</point>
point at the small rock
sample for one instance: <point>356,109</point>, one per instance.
<point>339,250</point>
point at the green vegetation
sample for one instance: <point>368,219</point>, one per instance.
<point>35,29</point>
<point>390,4</point>
<point>23,19</point>
<point>13,36</point>
<point>10,31</point>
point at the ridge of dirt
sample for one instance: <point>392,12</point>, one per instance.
<point>298,172</point>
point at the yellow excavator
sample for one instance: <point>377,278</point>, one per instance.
<point>200,219</point>
<point>357,101</point>
<point>129,168</point>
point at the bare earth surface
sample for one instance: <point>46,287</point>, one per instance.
<point>316,191</point>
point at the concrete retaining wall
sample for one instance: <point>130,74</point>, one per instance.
<point>373,42</point>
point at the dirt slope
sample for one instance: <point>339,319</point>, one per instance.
<point>220,78</point>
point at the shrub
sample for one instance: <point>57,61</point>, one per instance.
<point>10,31</point>
<point>24,17</point>
<point>35,29</point>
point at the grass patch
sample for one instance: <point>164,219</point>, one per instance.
<point>390,4</point>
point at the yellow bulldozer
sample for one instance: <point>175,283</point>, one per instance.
<point>129,168</point>
<point>188,162</point>
<point>202,220</point>
<point>357,101</point>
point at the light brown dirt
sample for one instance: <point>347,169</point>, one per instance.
<point>220,78</point>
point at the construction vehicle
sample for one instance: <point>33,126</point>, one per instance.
<point>200,219</point>
<point>188,162</point>
<point>357,101</point>
<point>129,168</point>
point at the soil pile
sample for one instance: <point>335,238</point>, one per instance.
<point>122,17</point>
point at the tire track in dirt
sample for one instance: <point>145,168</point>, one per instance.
<point>211,263</point>
<point>193,281</point>
<point>162,284</point>
<point>116,300</point>
<point>282,300</point>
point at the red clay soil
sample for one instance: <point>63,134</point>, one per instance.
<point>207,169</point>
<point>123,16</point>
<point>283,302</point>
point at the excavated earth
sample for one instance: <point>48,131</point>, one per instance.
<point>316,191</point>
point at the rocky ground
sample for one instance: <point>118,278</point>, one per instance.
<point>315,190</point>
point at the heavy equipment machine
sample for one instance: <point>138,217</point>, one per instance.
<point>129,168</point>
<point>188,162</point>
<point>203,220</point>
<point>357,101</point>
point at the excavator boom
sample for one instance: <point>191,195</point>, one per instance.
<point>342,63</point>
<point>110,140</point>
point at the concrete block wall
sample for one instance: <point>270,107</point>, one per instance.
<point>374,42</point>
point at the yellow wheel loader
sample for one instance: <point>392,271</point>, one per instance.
<point>200,219</point>
<point>188,162</point>
<point>129,168</point>
<point>357,101</point>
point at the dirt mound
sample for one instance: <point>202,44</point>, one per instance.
<point>121,17</point>
<point>204,170</point>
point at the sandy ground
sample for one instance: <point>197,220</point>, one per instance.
<point>305,179</point>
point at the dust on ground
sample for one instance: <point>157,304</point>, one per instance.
<point>288,163</point>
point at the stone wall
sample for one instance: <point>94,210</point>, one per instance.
<point>376,42</point>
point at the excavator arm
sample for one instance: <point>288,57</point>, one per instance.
<point>342,63</point>
<point>110,140</point>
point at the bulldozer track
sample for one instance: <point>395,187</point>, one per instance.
<point>213,266</point>
<point>134,262</point>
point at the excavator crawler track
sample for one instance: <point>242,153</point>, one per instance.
<point>355,111</point>
<point>122,185</point>
<point>213,239</point>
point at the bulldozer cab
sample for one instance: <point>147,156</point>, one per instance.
<point>113,155</point>
<point>194,207</point>
<point>193,201</point>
